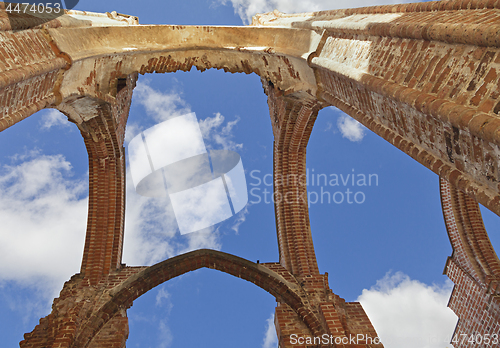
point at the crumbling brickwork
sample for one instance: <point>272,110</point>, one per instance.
<point>424,76</point>
<point>474,267</point>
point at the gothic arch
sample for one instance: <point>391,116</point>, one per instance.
<point>474,266</point>
<point>471,245</point>
<point>282,286</point>
<point>408,72</point>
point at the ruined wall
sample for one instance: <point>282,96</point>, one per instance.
<point>474,268</point>
<point>425,77</point>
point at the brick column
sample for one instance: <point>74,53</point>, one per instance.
<point>103,136</point>
<point>292,121</point>
<point>342,324</point>
<point>474,268</point>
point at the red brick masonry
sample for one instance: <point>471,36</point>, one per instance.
<point>424,76</point>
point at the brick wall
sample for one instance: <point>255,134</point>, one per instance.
<point>436,101</point>
<point>474,268</point>
<point>30,70</point>
<point>424,76</point>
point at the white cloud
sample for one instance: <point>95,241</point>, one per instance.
<point>161,296</point>
<point>201,206</point>
<point>151,226</point>
<point>407,313</point>
<point>151,233</point>
<point>248,8</point>
<point>54,118</point>
<point>216,134</point>
<point>43,210</point>
<point>44,214</point>
<point>131,131</point>
<point>160,106</point>
<point>350,128</point>
<point>150,229</point>
<point>165,336</point>
<point>270,338</point>
<point>240,218</point>
<point>163,299</point>
<point>205,239</point>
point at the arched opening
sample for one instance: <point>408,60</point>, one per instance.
<point>388,245</point>
<point>492,225</point>
<point>43,208</point>
<point>239,99</point>
<point>396,210</point>
<point>279,284</point>
<point>203,307</point>
<point>155,64</point>
<point>233,113</point>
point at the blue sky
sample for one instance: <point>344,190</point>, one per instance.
<point>388,251</point>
